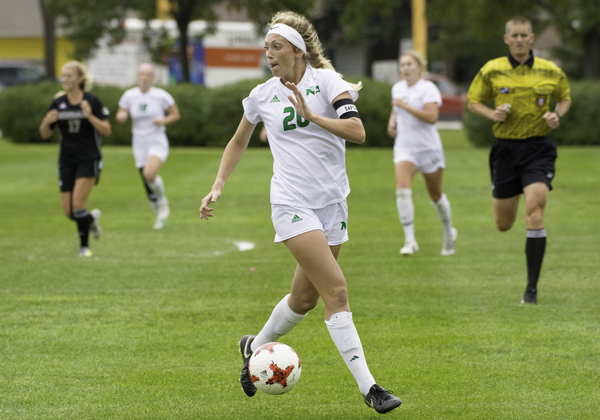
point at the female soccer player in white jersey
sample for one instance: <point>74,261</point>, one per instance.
<point>147,105</point>
<point>82,121</point>
<point>309,113</point>
<point>415,106</point>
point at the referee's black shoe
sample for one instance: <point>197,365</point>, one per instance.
<point>530,296</point>
<point>246,350</point>
<point>381,400</point>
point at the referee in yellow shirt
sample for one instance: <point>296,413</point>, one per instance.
<point>522,157</point>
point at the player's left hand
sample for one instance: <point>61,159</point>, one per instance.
<point>299,102</point>
<point>159,122</point>
<point>552,119</point>
<point>86,108</point>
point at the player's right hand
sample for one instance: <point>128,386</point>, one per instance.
<point>501,112</point>
<point>122,116</point>
<point>205,211</point>
<point>51,116</point>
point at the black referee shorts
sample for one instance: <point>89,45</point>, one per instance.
<point>70,170</point>
<point>514,164</point>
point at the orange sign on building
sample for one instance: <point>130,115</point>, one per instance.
<point>232,57</point>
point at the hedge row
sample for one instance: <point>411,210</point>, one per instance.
<point>578,127</point>
<point>209,116</point>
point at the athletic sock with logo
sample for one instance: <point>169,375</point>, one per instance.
<point>535,248</point>
<point>158,187</point>
<point>442,208</point>
<point>346,339</point>
<point>84,220</point>
<point>406,212</point>
<point>281,322</point>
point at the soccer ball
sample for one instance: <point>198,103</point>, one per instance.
<point>274,368</point>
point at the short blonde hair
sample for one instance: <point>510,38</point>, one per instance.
<point>418,57</point>
<point>79,67</point>
<point>518,20</point>
<point>314,50</point>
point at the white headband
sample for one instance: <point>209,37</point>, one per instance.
<point>290,34</point>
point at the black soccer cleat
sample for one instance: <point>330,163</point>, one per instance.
<point>381,400</point>
<point>246,350</point>
<point>530,296</point>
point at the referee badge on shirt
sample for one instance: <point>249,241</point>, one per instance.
<point>541,101</point>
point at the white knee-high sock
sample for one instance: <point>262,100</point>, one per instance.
<point>406,212</point>
<point>346,339</point>
<point>442,208</point>
<point>158,188</point>
<point>281,321</point>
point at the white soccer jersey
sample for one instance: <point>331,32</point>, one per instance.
<point>309,163</point>
<point>144,108</point>
<point>412,134</point>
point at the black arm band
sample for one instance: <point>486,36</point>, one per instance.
<point>345,108</point>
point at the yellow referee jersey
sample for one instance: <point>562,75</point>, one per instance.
<point>526,87</point>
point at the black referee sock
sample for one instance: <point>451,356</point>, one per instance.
<point>535,248</point>
<point>149,192</point>
<point>84,220</point>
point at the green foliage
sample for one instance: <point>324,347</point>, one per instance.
<point>578,126</point>
<point>86,22</point>
<point>22,109</point>
<point>209,117</point>
<point>374,106</point>
<point>478,129</point>
<point>224,112</point>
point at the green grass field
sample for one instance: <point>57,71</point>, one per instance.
<point>148,327</point>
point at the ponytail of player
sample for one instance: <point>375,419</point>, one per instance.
<point>314,50</point>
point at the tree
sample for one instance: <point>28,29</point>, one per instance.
<point>184,11</point>
<point>49,40</point>
<point>579,23</point>
<point>470,31</point>
<point>86,22</point>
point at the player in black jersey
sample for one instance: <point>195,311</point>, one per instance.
<point>82,120</point>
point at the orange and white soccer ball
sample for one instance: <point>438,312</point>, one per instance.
<point>274,368</point>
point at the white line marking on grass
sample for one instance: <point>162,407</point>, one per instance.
<point>244,246</point>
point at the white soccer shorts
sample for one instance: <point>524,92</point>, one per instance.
<point>428,162</point>
<point>156,144</point>
<point>293,221</point>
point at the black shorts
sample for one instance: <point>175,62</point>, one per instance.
<point>70,170</point>
<point>514,164</point>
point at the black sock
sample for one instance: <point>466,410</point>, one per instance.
<point>535,248</point>
<point>84,220</point>
<point>149,192</point>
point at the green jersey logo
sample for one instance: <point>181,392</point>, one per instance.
<point>275,99</point>
<point>344,226</point>
<point>143,107</point>
<point>313,90</point>
<point>296,218</point>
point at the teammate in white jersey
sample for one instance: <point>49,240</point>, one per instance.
<point>147,106</point>
<point>415,107</point>
<point>309,114</point>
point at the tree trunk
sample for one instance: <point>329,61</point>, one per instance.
<point>183,16</point>
<point>49,41</point>
<point>591,54</point>
<point>183,23</point>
